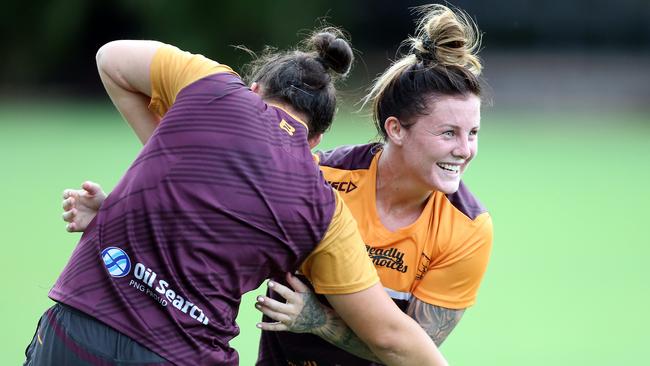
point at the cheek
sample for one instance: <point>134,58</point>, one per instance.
<point>474,148</point>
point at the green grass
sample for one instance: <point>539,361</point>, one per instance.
<point>568,279</point>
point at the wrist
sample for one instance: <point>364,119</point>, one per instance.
<point>329,325</point>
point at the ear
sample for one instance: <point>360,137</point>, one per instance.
<point>255,88</point>
<point>394,131</point>
<point>314,141</point>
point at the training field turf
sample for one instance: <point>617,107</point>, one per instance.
<point>568,282</point>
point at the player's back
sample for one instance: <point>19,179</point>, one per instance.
<point>222,196</point>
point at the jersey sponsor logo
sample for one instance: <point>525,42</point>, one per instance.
<point>345,187</point>
<point>145,280</point>
<point>287,127</point>
<point>117,262</point>
<point>390,258</point>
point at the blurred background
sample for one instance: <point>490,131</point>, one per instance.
<point>563,164</point>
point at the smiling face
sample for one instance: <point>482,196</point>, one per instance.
<point>438,147</point>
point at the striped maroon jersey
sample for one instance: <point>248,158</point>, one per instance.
<point>223,195</point>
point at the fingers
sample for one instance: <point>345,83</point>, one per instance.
<point>70,193</point>
<point>272,327</point>
<point>68,216</point>
<point>272,304</point>
<point>91,187</point>
<point>296,284</point>
<point>68,203</point>
<point>283,291</point>
<point>275,315</point>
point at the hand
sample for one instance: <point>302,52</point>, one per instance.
<point>302,312</point>
<point>80,206</point>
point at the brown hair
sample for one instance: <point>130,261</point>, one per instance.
<point>441,60</point>
<point>305,79</point>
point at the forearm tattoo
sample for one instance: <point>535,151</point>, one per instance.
<point>436,321</point>
<point>322,321</point>
<point>336,332</point>
<point>312,316</point>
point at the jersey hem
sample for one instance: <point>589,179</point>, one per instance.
<point>444,303</point>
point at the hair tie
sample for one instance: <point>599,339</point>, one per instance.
<point>426,56</point>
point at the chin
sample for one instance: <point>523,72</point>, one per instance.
<point>447,187</point>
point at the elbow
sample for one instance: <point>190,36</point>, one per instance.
<point>404,340</point>
<point>394,333</point>
<point>388,343</point>
<point>400,350</point>
<point>110,61</point>
<point>100,57</point>
<point>103,56</point>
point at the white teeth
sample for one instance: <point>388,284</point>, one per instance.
<point>450,167</point>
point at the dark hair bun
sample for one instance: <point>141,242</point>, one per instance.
<point>334,51</point>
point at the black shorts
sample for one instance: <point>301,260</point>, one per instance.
<point>66,336</point>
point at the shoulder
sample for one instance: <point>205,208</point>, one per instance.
<point>466,202</point>
<point>184,62</point>
<point>349,157</point>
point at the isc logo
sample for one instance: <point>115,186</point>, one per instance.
<point>346,187</point>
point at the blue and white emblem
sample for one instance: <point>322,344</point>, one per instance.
<point>116,261</point>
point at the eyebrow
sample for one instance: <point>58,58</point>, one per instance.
<point>448,125</point>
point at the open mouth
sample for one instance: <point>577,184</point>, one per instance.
<point>449,167</point>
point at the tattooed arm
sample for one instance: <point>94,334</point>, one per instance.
<point>437,321</point>
<point>303,313</point>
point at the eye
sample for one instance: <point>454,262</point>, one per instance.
<point>449,133</point>
<point>473,132</point>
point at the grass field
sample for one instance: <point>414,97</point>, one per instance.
<point>568,282</point>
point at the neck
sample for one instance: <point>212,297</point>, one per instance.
<point>397,192</point>
<point>288,108</point>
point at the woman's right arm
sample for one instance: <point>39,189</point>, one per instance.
<point>124,68</point>
<point>392,335</point>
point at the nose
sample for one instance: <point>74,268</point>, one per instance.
<point>462,149</point>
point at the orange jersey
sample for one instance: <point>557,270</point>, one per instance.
<point>440,258</point>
